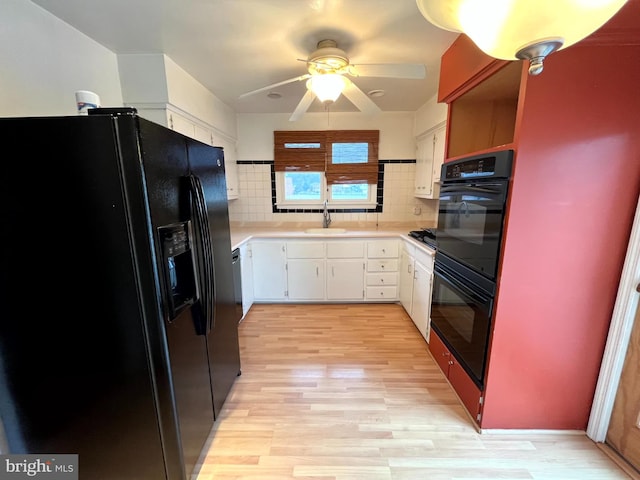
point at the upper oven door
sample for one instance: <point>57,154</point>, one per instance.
<point>470,223</point>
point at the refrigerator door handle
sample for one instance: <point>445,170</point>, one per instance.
<point>202,260</point>
<point>207,254</point>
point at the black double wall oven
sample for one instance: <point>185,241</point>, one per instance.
<point>471,215</point>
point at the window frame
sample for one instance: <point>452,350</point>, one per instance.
<point>325,194</point>
<point>318,159</point>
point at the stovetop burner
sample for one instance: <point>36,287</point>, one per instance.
<point>426,235</point>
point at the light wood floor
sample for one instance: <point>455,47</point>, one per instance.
<point>338,392</point>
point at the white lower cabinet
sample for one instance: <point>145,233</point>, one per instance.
<point>349,270</point>
<point>345,279</point>
<point>345,270</point>
<point>269,270</point>
<point>382,270</point>
<point>246,273</point>
<point>305,270</point>
<point>416,283</point>
<point>406,277</point>
<point>305,279</point>
<point>421,305</point>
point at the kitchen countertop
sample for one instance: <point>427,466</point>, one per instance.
<point>240,235</point>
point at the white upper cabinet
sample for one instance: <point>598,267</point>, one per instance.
<point>430,152</point>
<point>439,144</point>
<point>193,128</point>
<point>230,164</point>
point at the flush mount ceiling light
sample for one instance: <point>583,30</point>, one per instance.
<point>327,86</point>
<point>519,29</point>
<point>376,93</point>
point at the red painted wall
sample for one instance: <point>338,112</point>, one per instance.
<point>575,187</point>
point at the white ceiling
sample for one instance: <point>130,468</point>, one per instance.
<point>236,46</point>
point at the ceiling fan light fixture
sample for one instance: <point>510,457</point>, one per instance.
<point>505,28</point>
<point>327,87</point>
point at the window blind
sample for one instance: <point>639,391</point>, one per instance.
<point>345,156</point>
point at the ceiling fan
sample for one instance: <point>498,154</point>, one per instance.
<point>328,68</point>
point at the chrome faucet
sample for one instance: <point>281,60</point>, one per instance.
<point>326,216</point>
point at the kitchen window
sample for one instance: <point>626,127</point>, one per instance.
<point>340,166</point>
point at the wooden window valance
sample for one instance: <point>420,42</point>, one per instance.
<point>300,151</point>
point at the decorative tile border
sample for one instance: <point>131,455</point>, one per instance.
<point>379,190</point>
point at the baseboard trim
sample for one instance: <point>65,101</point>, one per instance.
<point>528,431</point>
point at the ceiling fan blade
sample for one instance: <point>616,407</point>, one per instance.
<point>359,98</point>
<point>269,87</point>
<point>302,107</point>
<point>389,70</point>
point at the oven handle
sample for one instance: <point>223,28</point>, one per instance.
<point>451,280</point>
<point>493,189</point>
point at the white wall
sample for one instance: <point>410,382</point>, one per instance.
<point>187,93</point>
<point>430,114</point>
<point>43,61</point>
<point>397,142</point>
<point>154,80</point>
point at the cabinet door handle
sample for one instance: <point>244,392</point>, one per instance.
<point>317,272</point>
<point>333,273</point>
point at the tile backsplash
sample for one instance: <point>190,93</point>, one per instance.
<point>255,202</point>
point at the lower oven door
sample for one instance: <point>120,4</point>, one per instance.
<point>461,316</point>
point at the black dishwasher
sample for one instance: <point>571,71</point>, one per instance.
<point>237,282</point>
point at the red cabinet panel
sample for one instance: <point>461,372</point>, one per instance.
<point>461,65</point>
<point>467,391</point>
<point>439,352</point>
<point>572,200</point>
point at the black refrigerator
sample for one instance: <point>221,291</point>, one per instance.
<point>118,337</point>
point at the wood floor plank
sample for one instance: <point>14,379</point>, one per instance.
<point>340,392</point>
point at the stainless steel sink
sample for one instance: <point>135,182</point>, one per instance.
<point>326,231</point>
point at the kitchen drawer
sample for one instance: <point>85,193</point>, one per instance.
<point>305,249</point>
<point>340,249</point>
<point>382,293</point>
<point>382,249</point>
<point>382,265</point>
<point>382,278</point>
